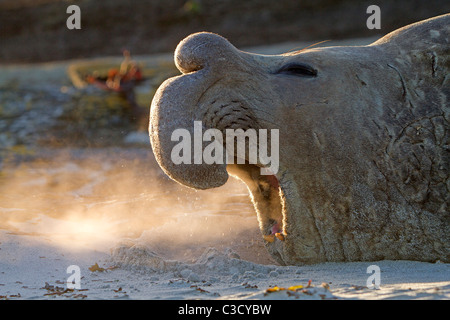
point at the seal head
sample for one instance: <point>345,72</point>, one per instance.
<point>363,148</point>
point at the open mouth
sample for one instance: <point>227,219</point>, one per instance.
<point>269,200</point>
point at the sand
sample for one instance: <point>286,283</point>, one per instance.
<point>31,270</point>
<point>134,234</point>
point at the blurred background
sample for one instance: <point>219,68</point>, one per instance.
<point>34,30</point>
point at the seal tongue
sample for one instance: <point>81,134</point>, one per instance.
<point>275,228</point>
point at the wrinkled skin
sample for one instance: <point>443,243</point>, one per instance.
<point>364,158</point>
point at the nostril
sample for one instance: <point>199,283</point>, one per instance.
<point>201,50</point>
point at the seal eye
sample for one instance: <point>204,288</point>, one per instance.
<point>298,69</point>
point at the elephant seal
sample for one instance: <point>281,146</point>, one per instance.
<point>363,149</point>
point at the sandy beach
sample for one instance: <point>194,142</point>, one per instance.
<point>134,234</point>
<point>31,270</point>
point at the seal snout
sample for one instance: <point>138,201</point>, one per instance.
<point>201,50</point>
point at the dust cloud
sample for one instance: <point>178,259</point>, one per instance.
<point>94,199</point>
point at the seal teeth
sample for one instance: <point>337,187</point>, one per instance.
<point>280,236</point>
<point>269,238</point>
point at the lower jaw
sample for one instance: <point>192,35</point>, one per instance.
<point>268,199</point>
